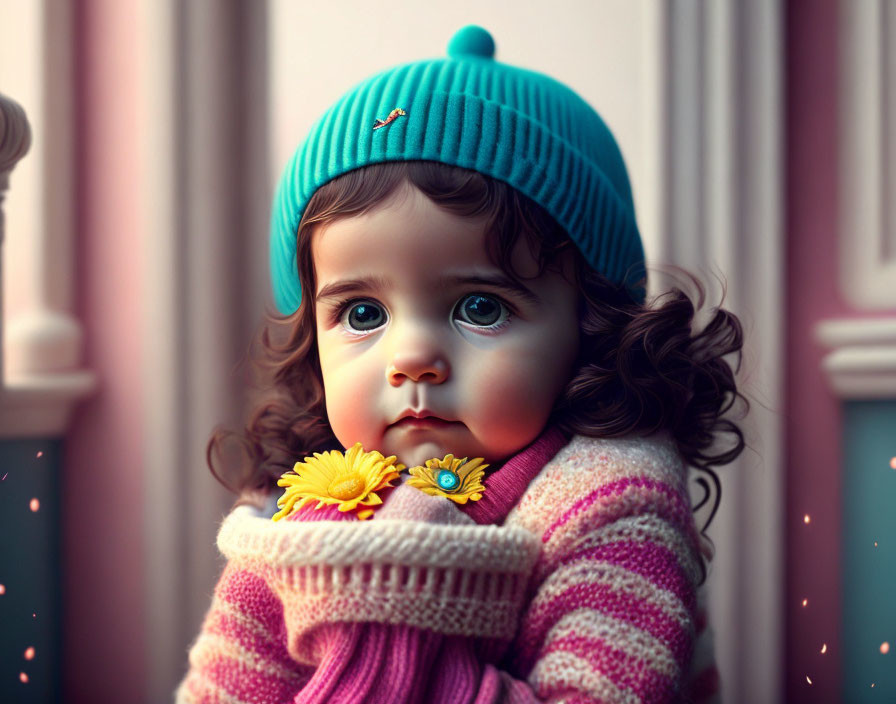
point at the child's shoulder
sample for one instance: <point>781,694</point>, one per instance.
<point>592,474</point>
<point>585,463</point>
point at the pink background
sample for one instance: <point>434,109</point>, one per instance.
<point>812,418</point>
<point>812,423</point>
<point>103,492</point>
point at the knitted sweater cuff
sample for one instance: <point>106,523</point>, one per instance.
<point>465,580</point>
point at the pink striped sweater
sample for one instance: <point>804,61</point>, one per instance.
<point>576,583</point>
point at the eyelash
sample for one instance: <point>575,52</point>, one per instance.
<point>494,327</point>
<point>340,308</point>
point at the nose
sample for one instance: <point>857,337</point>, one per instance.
<point>420,360</point>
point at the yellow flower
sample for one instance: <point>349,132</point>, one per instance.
<point>458,480</point>
<point>349,481</point>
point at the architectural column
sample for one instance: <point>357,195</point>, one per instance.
<point>204,151</point>
<point>41,372</point>
<point>719,216</point>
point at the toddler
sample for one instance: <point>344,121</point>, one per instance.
<point>481,426</point>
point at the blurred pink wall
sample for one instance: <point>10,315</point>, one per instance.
<point>813,423</point>
<point>103,491</point>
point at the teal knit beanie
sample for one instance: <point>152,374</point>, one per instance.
<point>468,110</point>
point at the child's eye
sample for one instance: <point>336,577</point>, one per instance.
<point>482,311</point>
<point>363,316</point>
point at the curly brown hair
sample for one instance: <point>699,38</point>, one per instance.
<point>641,367</point>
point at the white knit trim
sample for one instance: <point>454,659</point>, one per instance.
<point>633,641</point>
<point>561,670</point>
<point>411,543</point>
<point>588,572</point>
<point>453,602</point>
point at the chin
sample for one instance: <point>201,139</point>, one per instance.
<point>418,454</point>
<point>414,447</point>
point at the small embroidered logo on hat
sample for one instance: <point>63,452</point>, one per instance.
<point>394,115</point>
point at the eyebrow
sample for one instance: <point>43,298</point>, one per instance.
<point>499,281</point>
<point>338,289</point>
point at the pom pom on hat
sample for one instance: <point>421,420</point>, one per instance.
<point>472,41</point>
<point>471,111</point>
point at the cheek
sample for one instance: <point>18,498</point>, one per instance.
<point>545,361</point>
<point>518,390</point>
<point>351,392</point>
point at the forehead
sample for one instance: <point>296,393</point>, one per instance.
<point>405,234</point>
<point>408,232</point>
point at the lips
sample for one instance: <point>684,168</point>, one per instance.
<point>430,422</point>
<point>422,419</point>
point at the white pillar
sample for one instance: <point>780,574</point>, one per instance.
<point>720,214</point>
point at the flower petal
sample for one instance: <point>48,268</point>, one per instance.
<point>311,479</point>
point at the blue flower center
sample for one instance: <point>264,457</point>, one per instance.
<point>447,480</point>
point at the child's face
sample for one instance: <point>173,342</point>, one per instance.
<point>413,319</point>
